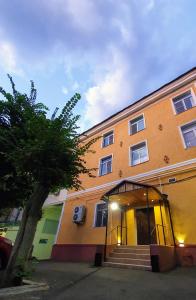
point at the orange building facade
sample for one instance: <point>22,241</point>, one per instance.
<point>144,189</point>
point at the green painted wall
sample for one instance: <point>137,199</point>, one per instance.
<point>45,233</point>
<point>11,233</point>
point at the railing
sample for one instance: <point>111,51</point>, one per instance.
<point>163,236</point>
<point>120,236</point>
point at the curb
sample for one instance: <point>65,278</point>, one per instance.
<point>29,286</point>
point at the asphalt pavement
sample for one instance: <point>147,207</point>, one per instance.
<point>79,281</point>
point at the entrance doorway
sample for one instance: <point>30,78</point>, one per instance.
<point>142,226</point>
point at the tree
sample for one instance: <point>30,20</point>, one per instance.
<point>46,152</point>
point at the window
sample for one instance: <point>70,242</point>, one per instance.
<point>50,226</point>
<point>183,102</point>
<point>189,134</point>
<point>105,165</point>
<point>137,124</point>
<point>108,139</point>
<point>139,154</point>
<point>101,215</point>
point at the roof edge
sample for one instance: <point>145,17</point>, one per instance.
<point>139,100</point>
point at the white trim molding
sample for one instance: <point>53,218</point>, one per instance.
<point>139,177</point>
<point>59,225</point>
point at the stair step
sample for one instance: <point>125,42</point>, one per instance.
<point>131,250</point>
<point>127,266</point>
<point>131,261</point>
<point>129,255</point>
<point>134,247</point>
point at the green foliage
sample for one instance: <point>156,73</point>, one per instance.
<point>36,149</point>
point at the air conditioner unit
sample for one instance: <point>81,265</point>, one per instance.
<point>79,214</point>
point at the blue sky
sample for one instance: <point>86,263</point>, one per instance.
<point>111,51</point>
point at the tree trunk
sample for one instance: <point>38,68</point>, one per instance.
<point>24,240</point>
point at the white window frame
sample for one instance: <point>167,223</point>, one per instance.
<point>100,165</point>
<point>130,153</point>
<point>105,133</point>
<point>181,133</point>
<point>95,215</point>
<point>178,95</point>
<point>129,123</point>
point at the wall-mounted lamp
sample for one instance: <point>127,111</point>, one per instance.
<point>181,242</point>
<point>119,242</point>
<point>114,206</point>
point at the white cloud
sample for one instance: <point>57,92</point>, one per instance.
<point>84,14</point>
<point>8,59</point>
<point>64,90</point>
<point>110,92</point>
<point>125,30</point>
<point>75,86</point>
<point>146,6</point>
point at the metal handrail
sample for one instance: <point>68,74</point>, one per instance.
<point>153,230</point>
<point>157,226</point>
<point>113,229</point>
<point>117,228</point>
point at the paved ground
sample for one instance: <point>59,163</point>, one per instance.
<point>82,282</point>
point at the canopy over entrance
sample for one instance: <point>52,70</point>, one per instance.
<point>144,200</point>
<point>129,193</point>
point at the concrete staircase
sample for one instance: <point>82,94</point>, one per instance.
<point>133,257</point>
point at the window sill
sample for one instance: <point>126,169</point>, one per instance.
<point>187,148</point>
<point>137,132</point>
<point>106,146</point>
<point>104,174</point>
<point>177,114</point>
<point>139,163</point>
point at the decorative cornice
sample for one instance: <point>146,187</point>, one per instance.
<point>145,101</point>
<point>147,175</point>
